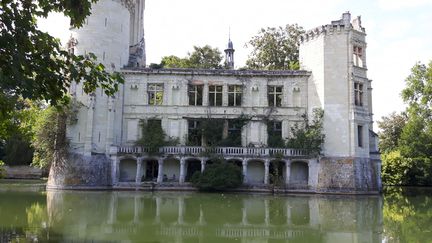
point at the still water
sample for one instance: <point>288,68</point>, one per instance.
<point>66,216</point>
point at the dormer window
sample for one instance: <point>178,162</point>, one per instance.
<point>358,56</point>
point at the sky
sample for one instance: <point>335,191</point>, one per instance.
<point>399,32</point>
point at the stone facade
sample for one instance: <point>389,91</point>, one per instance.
<point>332,77</point>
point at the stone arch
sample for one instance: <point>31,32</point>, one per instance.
<point>128,168</point>
<point>151,169</point>
<point>171,169</point>
<point>299,173</point>
<point>192,165</point>
<point>256,171</point>
<point>235,161</point>
<point>277,171</point>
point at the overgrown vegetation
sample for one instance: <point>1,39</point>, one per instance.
<point>218,176</point>
<point>49,140</point>
<point>212,132</point>
<point>153,136</point>
<point>309,135</point>
<point>2,171</point>
<point>205,57</point>
<point>275,48</point>
<point>406,138</point>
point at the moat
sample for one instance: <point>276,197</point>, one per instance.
<point>29,213</point>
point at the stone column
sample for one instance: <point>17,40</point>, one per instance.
<point>245,175</point>
<point>287,171</point>
<point>203,164</point>
<point>115,173</point>
<point>139,171</point>
<point>88,139</point>
<point>266,171</point>
<point>182,171</point>
<point>160,171</point>
<point>205,95</point>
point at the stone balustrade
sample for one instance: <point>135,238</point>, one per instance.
<point>223,151</point>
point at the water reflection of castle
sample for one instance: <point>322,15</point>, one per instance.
<point>203,218</point>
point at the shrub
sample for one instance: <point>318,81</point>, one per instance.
<point>2,171</point>
<point>218,176</point>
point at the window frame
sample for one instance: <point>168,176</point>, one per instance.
<point>273,94</point>
<point>195,91</point>
<point>234,94</point>
<point>358,93</point>
<point>358,56</point>
<point>152,91</point>
<point>213,94</point>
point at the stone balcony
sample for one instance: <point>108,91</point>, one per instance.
<point>220,151</point>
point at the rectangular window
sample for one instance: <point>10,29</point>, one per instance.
<point>195,95</point>
<point>194,133</point>
<point>234,95</point>
<point>274,132</point>
<point>360,136</point>
<point>358,94</point>
<point>234,133</point>
<point>275,96</point>
<point>358,56</point>
<point>155,94</point>
<point>215,95</point>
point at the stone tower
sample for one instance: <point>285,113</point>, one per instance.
<point>336,55</point>
<point>114,32</point>
<point>229,55</point>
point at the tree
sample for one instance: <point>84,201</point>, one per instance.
<point>308,136</point>
<point>407,143</point>
<point>391,128</point>
<point>33,64</point>
<point>205,57</point>
<point>275,48</point>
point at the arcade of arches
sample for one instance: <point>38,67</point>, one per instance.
<point>256,171</point>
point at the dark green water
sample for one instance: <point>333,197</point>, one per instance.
<point>53,216</point>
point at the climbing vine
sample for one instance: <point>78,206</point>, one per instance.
<point>153,136</point>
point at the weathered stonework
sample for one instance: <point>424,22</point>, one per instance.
<point>333,77</point>
<point>81,172</point>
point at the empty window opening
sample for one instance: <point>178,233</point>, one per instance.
<point>360,136</point>
<point>358,56</point>
<point>358,94</point>
<point>234,95</point>
<point>155,94</point>
<point>106,20</point>
<point>275,96</point>
<point>195,95</point>
<point>194,133</point>
<point>215,95</point>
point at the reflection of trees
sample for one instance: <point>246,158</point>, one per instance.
<point>37,220</point>
<point>408,215</point>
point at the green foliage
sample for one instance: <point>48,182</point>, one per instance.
<point>153,136</point>
<point>16,138</point>
<point>33,64</point>
<point>218,176</point>
<point>406,140</point>
<point>391,128</point>
<point>2,171</point>
<point>18,151</point>
<point>49,137</point>
<point>204,57</point>
<point>275,48</point>
<point>308,136</point>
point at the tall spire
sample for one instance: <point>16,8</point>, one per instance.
<point>229,53</point>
